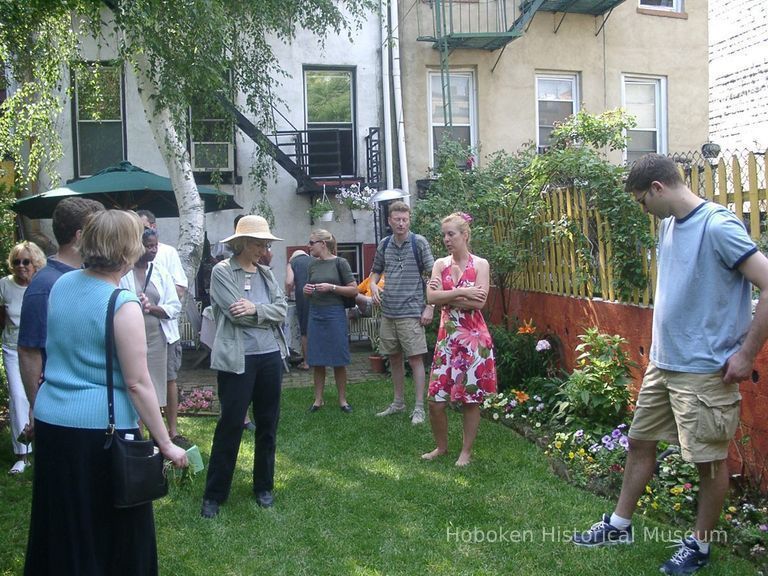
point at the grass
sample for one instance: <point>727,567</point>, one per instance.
<point>353,498</point>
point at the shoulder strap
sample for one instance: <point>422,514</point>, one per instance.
<point>338,270</point>
<point>384,246</point>
<point>416,253</point>
<point>109,336</point>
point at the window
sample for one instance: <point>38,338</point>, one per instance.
<point>669,5</point>
<point>645,99</point>
<point>330,114</point>
<point>354,255</point>
<point>556,100</point>
<point>99,113</point>
<point>462,103</point>
<point>211,133</point>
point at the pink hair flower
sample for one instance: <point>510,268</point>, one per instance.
<point>465,216</point>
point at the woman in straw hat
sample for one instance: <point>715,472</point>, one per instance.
<point>249,309</point>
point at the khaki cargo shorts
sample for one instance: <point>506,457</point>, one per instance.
<point>404,335</point>
<point>697,411</point>
<point>174,360</point>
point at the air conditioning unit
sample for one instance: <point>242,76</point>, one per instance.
<point>213,156</point>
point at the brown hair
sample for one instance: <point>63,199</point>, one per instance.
<point>399,206</point>
<point>70,215</point>
<point>652,167</point>
<point>111,240</point>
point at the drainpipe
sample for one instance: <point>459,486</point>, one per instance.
<point>398,94</point>
<point>388,170</point>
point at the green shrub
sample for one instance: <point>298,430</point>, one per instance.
<point>597,391</point>
<point>522,354</point>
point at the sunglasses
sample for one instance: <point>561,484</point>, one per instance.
<point>18,262</point>
<point>313,242</point>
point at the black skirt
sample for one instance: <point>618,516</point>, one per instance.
<point>74,529</point>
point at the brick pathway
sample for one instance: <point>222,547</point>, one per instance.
<point>202,376</point>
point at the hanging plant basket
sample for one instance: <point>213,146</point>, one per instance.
<point>326,216</point>
<point>359,214</point>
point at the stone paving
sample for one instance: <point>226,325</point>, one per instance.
<point>196,373</point>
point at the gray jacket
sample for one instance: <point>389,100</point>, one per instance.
<point>227,280</point>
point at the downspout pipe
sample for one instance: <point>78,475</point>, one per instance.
<point>398,96</point>
<point>385,101</point>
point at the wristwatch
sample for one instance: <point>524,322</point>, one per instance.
<point>333,287</point>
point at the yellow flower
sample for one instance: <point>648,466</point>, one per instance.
<point>731,508</point>
<point>648,489</point>
<point>582,452</point>
<point>654,505</point>
<point>558,445</point>
<point>676,506</point>
<point>676,490</point>
<point>571,455</point>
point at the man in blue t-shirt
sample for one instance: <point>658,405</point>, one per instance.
<point>69,217</point>
<point>704,342</point>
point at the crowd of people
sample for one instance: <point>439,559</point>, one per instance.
<point>53,340</point>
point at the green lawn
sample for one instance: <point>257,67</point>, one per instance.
<point>353,497</point>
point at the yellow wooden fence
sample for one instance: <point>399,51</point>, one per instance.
<point>738,182</point>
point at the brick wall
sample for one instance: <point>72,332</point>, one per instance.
<point>738,73</point>
<point>568,317</point>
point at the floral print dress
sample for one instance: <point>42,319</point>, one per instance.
<point>463,367</point>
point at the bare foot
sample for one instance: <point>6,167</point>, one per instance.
<point>436,453</point>
<point>464,460</point>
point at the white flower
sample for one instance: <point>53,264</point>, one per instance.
<point>495,415</point>
<point>356,198</point>
<point>542,345</point>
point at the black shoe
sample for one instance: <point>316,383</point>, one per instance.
<point>265,499</point>
<point>315,408</point>
<point>249,426</point>
<point>603,534</point>
<point>346,408</point>
<point>210,509</point>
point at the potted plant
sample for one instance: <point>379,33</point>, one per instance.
<point>321,210</point>
<point>357,199</point>
<point>378,362</point>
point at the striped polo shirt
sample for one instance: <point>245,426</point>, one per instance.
<point>403,295</point>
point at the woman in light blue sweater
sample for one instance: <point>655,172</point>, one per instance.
<point>74,527</point>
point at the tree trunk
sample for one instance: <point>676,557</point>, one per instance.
<point>176,157</point>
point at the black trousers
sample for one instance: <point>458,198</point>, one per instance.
<point>260,386</point>
<point>74,529</point>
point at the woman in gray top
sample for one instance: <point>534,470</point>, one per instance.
<point>249,309</point>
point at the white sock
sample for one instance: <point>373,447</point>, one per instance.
<point>619,522</point>
<point>703,546</point>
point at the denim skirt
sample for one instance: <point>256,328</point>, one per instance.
<point>327,336</point>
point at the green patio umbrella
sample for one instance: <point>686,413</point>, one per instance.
<point>123,186</point>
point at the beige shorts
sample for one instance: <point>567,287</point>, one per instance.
<point>404,335</point>
<point>697,411</point>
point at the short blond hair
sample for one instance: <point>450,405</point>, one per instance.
<point>399,206</point>
<point>111,240</point>
<point>35,254</point>
<point>327,237</point>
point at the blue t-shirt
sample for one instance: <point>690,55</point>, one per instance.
<point>34,308</point>
<point>703,306</point>
<point>74,393</point>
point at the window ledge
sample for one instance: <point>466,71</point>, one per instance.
<point>663,13</point>
<point>223,177</point>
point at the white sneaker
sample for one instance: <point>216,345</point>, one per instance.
<point>417,416</point>
<point>392,409</point>
<point>19,467</point>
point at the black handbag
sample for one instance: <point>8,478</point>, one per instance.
<point>349,301</point>
<point>136,465</point>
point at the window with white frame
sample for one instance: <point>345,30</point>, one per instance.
<point>330,113</point>
<point>669,5</point>
<point>99,117</point>
<point>211,136</point>
<point>645,99</point>
<point>556,99</point>
<point>461,93</point>
<point>354,255</point>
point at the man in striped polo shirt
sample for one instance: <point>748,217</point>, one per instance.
<point>404,258</point>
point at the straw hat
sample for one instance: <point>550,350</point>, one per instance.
<point>252,227</point>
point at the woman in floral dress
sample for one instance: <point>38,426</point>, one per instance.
<point>463,368</point>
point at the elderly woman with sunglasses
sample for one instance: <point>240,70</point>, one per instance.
<point>249,309</point>
<point>23,261</point>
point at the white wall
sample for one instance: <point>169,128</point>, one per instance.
<point>738,74</point>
